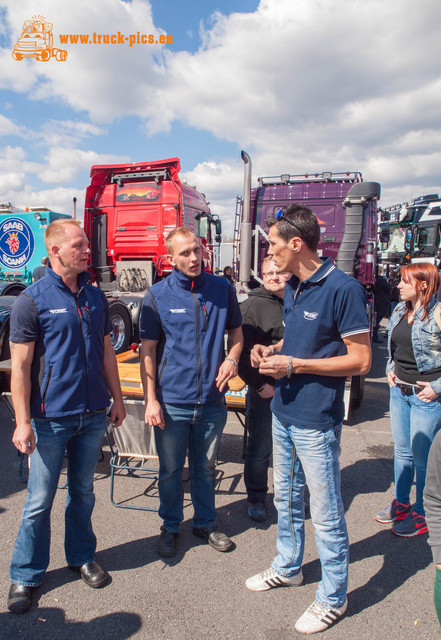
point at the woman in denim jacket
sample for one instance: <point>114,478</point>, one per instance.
<point>414,377</point>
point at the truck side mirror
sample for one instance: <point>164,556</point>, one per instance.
<point>384,235</point>
<point>218,229</point>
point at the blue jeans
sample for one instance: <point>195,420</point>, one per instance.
<point>259,446</point>
<point>197,428</point>
<point>414,425</point>
<point>310,456</point>
<point>81,436</point>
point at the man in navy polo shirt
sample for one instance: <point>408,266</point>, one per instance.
<point>185,374</point>
<point>326,338</point>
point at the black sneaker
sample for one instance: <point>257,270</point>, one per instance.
<point>394,512</point>
<point>257,512</point>
<point>413,525</point>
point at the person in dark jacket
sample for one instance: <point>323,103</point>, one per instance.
<point>432,505</point>
<point>63,367</point>
<point>382,292</point>
<point>40,271</point>
<point>228,275</point>
<point>185,373</point>
<point>262,323</point>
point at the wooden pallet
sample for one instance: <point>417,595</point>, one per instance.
<point>130,377</point>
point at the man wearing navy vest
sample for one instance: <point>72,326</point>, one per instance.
<point>326,338</point>
<point>185,374</point>
<point>63,367</point>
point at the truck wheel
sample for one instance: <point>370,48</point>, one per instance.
<point>61,55</point>
<point>5,355</point>
<point>357,391</point>
<point>17,56</point>
<point>44,55</point>
<point>122,327</point>
<point>12,290</point>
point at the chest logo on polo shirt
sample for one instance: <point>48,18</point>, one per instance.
<point>310,315</point>
<point>178,310</point>
<point>58,310</point>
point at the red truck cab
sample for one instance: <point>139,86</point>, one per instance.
<point>129,211</point>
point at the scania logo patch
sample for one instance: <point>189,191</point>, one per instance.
<point>310,315</point>
<point>16,243</point>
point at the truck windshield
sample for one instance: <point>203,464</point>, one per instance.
<point>396,242</point>
<point>425,236</point>
<point>326,213</point>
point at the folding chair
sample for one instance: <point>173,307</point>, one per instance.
<point>236,401</point>
<point>7,399</point>
<point>132,446</point>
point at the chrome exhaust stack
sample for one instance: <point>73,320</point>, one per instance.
<point>246,231</point>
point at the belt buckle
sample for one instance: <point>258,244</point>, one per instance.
<point>406,389</point>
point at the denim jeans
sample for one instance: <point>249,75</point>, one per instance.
<point>259,446</point>
<point>310,456</point>
<point>197,428</point>
<point>414,425</point>
<point>81,436</point>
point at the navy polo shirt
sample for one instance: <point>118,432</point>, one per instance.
<point>318,313</point>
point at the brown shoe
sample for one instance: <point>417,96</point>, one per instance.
<point>215,538</point>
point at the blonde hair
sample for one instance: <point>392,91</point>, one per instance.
<point>55,233</point>
<point>181,231</point>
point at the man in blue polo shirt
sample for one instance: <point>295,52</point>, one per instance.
<point>185,373</point>
<point>326,338</point>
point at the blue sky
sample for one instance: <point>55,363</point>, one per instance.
<point>301,85</point>
<point>183,19</point>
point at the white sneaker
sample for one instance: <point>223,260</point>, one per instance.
<point>269,579</point>
<point>318,618</point>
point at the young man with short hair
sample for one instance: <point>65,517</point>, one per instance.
<point>185,374</point>
<point>326,338</point>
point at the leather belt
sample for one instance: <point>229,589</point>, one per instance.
<point>409,389</point>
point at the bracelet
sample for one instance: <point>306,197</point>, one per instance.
<point>236,364</point>
<point>289,368</point>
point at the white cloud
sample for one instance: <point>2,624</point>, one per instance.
<point>11,181</point>
<point>59,199</point>
<point>67,132</point>
<point>61,167</point>
<point>106,81</point>
<point>8,127</point>
<point>219,181</point>
<point>64,164</point>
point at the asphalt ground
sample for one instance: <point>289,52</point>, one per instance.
<point>200,593</point>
